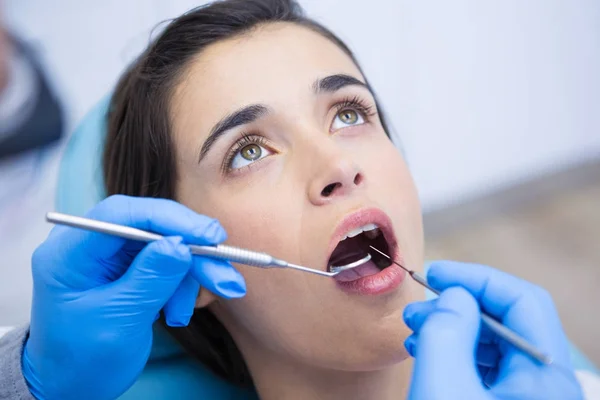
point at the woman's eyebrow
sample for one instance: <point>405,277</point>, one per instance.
<point>239,117</point>
<point>333,83</point>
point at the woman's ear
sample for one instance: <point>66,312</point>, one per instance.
<point>205,298</point>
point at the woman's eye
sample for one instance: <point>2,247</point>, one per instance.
<point>248,154</point>
<point>345,118</point>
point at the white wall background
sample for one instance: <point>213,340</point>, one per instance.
<point>482,93</point>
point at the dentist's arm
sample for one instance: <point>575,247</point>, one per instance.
<point>455,360</point>
<point>12,382</point>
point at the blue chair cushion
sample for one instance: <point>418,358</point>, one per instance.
<point>170,373</point>
<point>80,183</point>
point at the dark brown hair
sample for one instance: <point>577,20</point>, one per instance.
<point>138,156</point>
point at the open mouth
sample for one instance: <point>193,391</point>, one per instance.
<point>355,246</point>
<point>350,243</point>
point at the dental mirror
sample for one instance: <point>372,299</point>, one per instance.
<point>336,269</point>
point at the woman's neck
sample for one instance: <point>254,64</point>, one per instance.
<point>276,379</point>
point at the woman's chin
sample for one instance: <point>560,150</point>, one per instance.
<point>380,350</point>
<point>378,361</point>
<point>385,345</point>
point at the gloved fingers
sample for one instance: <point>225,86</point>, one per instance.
<point>486,336</point>
<point>488,375</point>
<point>219,277</point>
<point>452,327</point>
<point>483,371</point>
<point>410,344</point>
<point>446,343</point>
<point>165,217</point>
<point>180,307</point>
<point>495,290</point>
<point>488,355</point>
<point>520,305</point>
<point>95,257</point>
<point>416,313</point>
<point>153,277</point>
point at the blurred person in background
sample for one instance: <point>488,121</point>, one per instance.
<point>30,114</point>
<point>32,124</point>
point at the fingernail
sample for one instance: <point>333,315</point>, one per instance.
<point>178,246</point>
<point>181,322</point>
<point>232,289</point>
<point>409,344</point>
<point>407,315</point>
<point>214,232</point>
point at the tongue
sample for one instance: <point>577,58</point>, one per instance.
<point>353,274</point>
<point>349,250</point>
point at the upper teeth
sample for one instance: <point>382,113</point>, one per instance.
<point>366,228</point>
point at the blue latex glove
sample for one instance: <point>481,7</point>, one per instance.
<point>96,296</point>
<point>453,357</point>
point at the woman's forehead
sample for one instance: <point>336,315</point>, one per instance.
<point>276,64</point>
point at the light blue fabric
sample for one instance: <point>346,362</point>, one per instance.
<point>80,184</point>
<point>182,378</point>
<point>170,373</point>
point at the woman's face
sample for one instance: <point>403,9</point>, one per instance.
<point>278,137</point>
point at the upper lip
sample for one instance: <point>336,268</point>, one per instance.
<point>360,218</point>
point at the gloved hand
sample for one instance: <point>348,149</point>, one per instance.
<point>96,296</point>
<point>454,359</point>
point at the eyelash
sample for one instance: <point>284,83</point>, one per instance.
<point>357,103</point>
<point>245,140</point>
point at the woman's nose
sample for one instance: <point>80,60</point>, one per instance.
<point>337,178</point>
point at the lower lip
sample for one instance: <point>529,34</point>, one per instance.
<point>382,282</point>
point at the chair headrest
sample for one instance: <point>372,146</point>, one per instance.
<point>80,184</point>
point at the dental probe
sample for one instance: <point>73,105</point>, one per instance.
<point>229,253</point>
<point>495,326</point>
<point>223,252</point>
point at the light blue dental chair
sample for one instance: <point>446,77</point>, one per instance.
<point>170,374</point>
